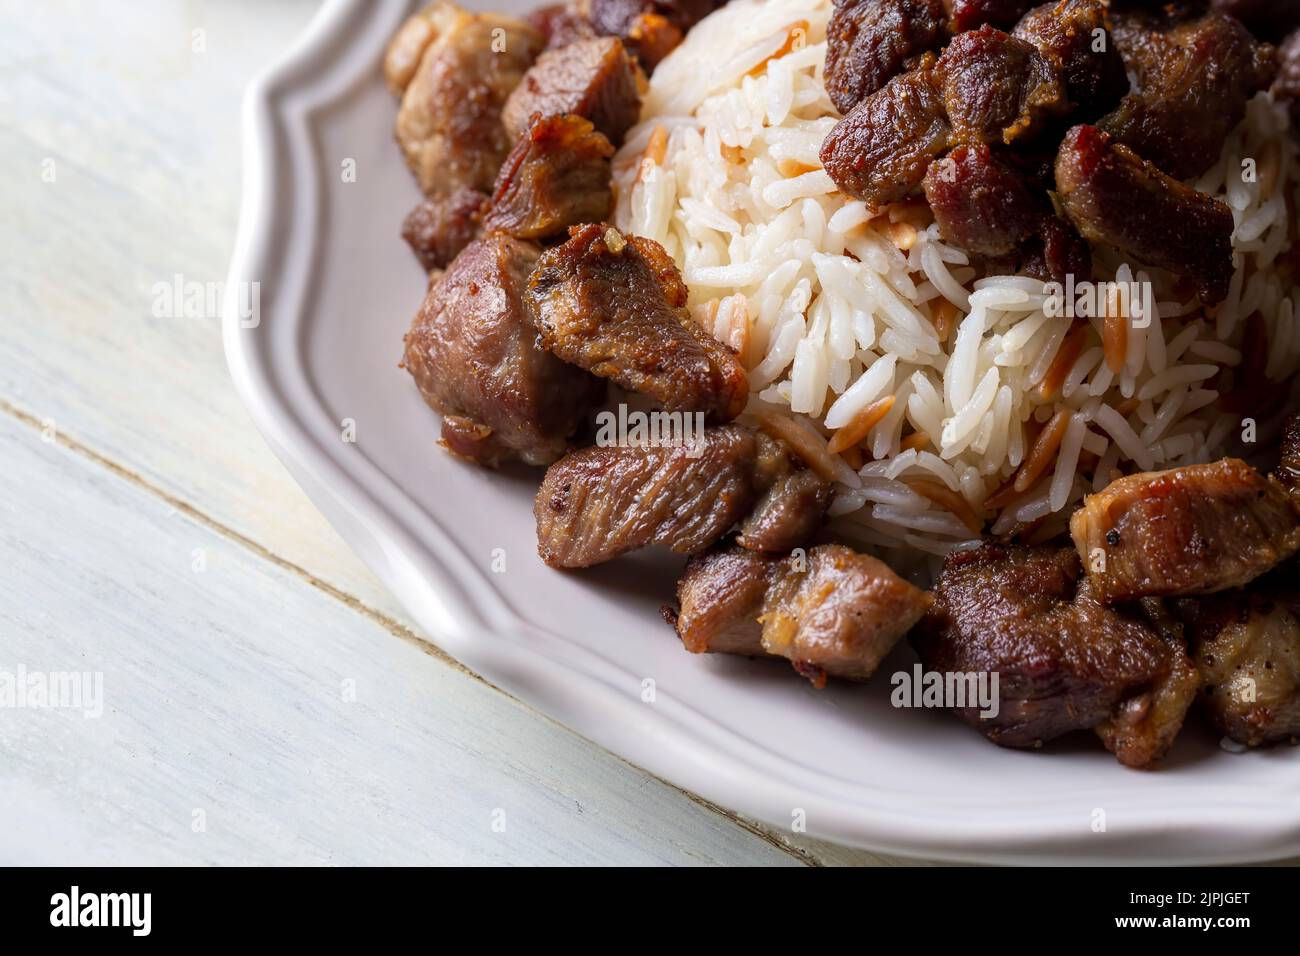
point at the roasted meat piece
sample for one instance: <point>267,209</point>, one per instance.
<point>596,79</point>
<point>563,23</point>
<point>597,503</point>
<point>449,121</point>
<point>615,305</point>
<point>439,228</point>
<point>651,29</point>
<point>1288,469</point>
<point>970,14</point>
<point>557,176</point>
<point>879,152</point>
<point>830,611</point>
<point>1142,728</point>
<point>869,41</point>
<point>838,612</point>
<point>789,514</point>
<point>982,204</point>
<point>472,351</point>
<point>1246,644</point>
<point>1113,196</point>
<point>1072,36</point>
<point>997,88</point>
<point>1055,253</point>
<point>1192,79</point>
<point>720,599</point>
<point>792,501</point>
<point>1065,661</point>
<point>1193,530</point>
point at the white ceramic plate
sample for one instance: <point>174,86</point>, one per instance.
<point>338,288</point>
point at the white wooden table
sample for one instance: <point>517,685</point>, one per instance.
<point>264,700</point>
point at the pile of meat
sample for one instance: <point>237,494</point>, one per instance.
<point>1030,129</point>
<point>1178,586</point>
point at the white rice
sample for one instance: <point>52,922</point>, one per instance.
<point>830,314</point>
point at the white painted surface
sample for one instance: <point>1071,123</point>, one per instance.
<point>223,686</point>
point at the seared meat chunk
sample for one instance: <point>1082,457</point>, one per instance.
<point>1247,646</point>
<point>439,228</point>
<point>595,79</point>
<point>597,503</point>
<point>997,88</point>
<point>615,305</point>
<point>981,203</point>
<point>879,152</point>
<point>651,29</point>
<point>721,599</point>
<point>1192,81</point>
<point>557,176</point>
<point>868,41</point>
<point>449,121</point>
<point>1288,469</point>
<point>1057,252</point>
<point>1142,728</point>
<point>789,513</point>
<point>1065,661</point>
<point>838,612</point>
<point>1287,87</point>
<point>563,23</point>
<point>1111,195</point>
<point>831,611</point>
<point>472,351</point>
<point>1193,530</point>
<point>971,14</point>
<point>1066,35</point>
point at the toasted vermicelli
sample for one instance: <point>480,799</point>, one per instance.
<point>880,351</point>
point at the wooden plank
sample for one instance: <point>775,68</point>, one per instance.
<point>144,151</point>
<point>300,731</point>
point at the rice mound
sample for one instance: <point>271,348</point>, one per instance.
<point>836,310</point>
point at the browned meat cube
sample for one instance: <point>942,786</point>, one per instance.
<point>1192,80</point>
<point>997,88</point>
<point>1064,660</point>
<point>868,41</point>
<point>838,612</point>
<point>721,599</point>
<point>473,354</point>
<point>1067,34</point>
<point>981,203</point>
<point>830,611</point>
<point>1288,469</point>
<point>1142,728</point>
<point>1113,196</point>
<point>563,23</point>
<point>439,228</point>
<point>615,305</point>
<point>1057,252</point>
<point>650,30</point>
<point>879,152</point>
<point>597,503</point>
<point>1247,646</point>
<point>596,79</point>
<point>557,176</point>
<point>789,514</point>
<point>449,121</point>
<point>970,14</point>
<point>1193,530</point>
